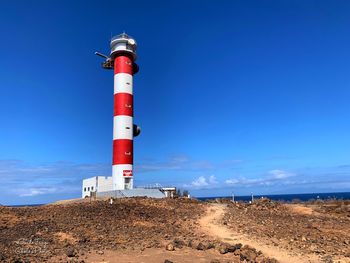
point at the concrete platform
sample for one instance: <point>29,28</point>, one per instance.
<point>152,193</point>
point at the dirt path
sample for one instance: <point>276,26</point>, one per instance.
<point>211,226</point>
<point>151,255</point>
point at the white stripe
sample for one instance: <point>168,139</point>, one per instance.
<point>118,169</point>
<point>123,83</point>
<point>122,127</point>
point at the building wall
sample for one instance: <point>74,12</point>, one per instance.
<point>96,184</point>
<point>104,183</point>
<point>89,185</point>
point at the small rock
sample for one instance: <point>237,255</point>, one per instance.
<point>223,249</point>
<point>248,253</point>
<point>201,246</point>
<point>210,245</point>
<point>100,252</point>
<point>233,248</point>
<point>260,259</point>
<point>170,247</point>
<point>190,243</point>
<point>167,261</point>
<point>193,244</point>
<point>178,243</point>
<point>70,252</point>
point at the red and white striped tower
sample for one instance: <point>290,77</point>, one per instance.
<point>122,57</point>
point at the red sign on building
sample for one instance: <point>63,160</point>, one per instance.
<point>127,172</point>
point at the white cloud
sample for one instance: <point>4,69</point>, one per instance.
<point>279,174</point>
<point>200,182</point>
<point>203,182</point>
<point>273,177</point>
<point>232,181</point>
<point>246,181</point>
<point>20,179</point>
<point>38,191</point>
<point>20,172</point>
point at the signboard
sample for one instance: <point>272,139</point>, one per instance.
<point>127,172</point>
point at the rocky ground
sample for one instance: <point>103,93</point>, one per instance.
<point>95,231</point>
<point>320,228</point>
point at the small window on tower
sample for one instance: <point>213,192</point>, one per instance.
<point>88,188</point>
<point>92,188</point>
<point>84,189</point>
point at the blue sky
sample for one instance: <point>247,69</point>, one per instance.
<point>243,96</point>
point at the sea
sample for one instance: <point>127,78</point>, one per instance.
<point>286,197</point>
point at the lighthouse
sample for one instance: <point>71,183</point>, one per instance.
<point>121,184</point>
<point>122,61</point>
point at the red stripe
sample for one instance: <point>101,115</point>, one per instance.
<point>123,64</point>
<point>123,104</point>
<point>122,151</point>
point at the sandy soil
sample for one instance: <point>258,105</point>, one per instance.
<point>302,209</point>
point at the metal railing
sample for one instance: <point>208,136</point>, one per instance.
<point>150,186</point>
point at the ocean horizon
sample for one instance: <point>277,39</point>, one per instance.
<point>286,197</point>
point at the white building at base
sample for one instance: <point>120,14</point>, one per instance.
<point>96,184</point>
<point>102,186</point>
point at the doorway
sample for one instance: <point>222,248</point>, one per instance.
<point>127,183</point>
